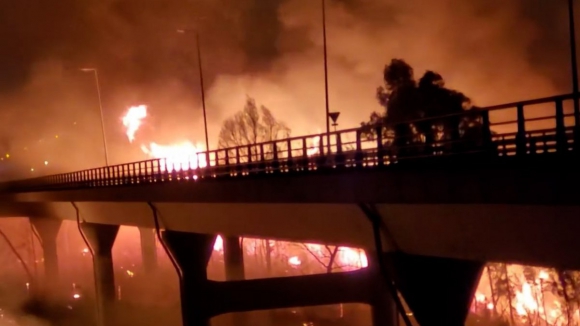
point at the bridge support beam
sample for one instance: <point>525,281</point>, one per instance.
<point>286,292</point>
<point>148,249</point>
<point>47,230</point>
<point>101,238</point>
<point>192,252</point>
<point>233,259</point>
<point>202,299</point>
<point>437,290</point>
<point>234,268</point>
<point>383,307</point>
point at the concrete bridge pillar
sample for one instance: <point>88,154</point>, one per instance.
<point>148,249</point>
<point>234,269</point>
<point>437,290</point>
<point>233,259</point>
<point>101,238</point>
<point>383,307</point>
<point>192,253</point>
<point>47,230</point>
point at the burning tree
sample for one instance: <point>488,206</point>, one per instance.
<point>406,99</point>
<point>250,126</point>
<point>527,295</point>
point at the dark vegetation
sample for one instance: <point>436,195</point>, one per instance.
<point>422,116</point>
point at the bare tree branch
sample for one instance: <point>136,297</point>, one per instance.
<point>249,127</point>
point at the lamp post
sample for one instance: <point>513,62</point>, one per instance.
<point>327,116</point>
<point>574,63</point>
<point>94,70</point>
<point>197,43</point>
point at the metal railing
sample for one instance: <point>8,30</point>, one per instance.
<point>539,126</point>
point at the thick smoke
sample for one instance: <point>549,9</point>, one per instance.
<point>483,48</point>
<point>494,51</point>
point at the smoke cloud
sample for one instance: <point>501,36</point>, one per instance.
<point>482,48</point>
<point>493,51</point>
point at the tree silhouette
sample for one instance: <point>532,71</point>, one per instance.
<point>252,125</point>
<point>428,101</point>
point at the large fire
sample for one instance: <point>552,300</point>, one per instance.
<point>180,156</point>
<point>505,292</point>
<point>133,120</point>
<point>175,157</point>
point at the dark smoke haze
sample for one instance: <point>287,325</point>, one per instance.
<point>492,50</point>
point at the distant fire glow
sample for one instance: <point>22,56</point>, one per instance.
<point>345,256</point>
<point>294,261</point>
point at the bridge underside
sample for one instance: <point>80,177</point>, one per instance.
<point>494,211</point>
<point>527,234</point>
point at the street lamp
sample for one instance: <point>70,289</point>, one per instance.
<point>183,31</point>
<point>574,67</point>
<point>94,70</point>
<point>325,74</point>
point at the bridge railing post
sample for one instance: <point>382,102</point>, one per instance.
<point>380,150</point>
<point>132,167</point>
<point>486,131</point>
<point>339,159</point>
<point>98,178</point>
<point>164,170</point>
<point>358,156</point>
<point>289,158</point>
<point>576,125</point>
<point>226,168</point>
<point>321,157</point>
<point>262,164</point>
<point>250,163</point>
<point>239,169</point>
<point>146,171</point>
<point>561,138</point>
<point>304,160</point>
<point>275,161</point>
<point>521,141</point>
<point>104,181</point>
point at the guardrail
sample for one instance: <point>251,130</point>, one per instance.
<point>532,127</point>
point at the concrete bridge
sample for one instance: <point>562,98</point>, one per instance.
<point>444,208</point>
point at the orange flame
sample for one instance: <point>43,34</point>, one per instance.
<point>532,302</point>
<point>175,157</point>
<point>314,148</point>
<point>133,120</point>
